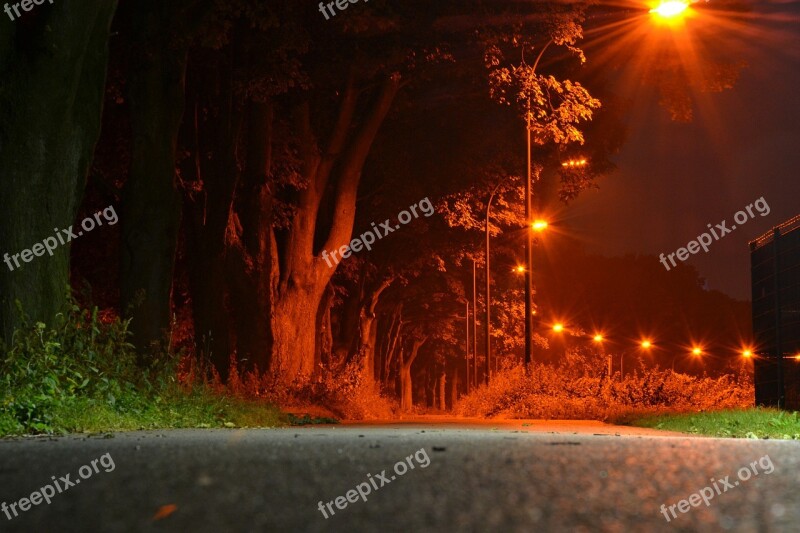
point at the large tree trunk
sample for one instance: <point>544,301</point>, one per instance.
<point>51,101</point>
<point>250,249</point>
<point>294,324</point>
<point>303,275</point>
<point>151,204</point>
<point>218,122</point>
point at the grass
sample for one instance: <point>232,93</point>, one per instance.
<point>195,410</point>
<point>755,423</point>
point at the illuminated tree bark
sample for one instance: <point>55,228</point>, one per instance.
<point>303,273</point>
<point>406,385</point>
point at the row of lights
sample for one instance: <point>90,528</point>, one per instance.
<point>646,344</point>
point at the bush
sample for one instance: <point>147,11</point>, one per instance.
<point>82,374</point>
<point>338,388</point>
<point>574,392</point>
<point>79,357</point>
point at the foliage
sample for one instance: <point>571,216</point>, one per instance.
<point>339,389</point>
<point>579,390</point>
<point>81,375</point>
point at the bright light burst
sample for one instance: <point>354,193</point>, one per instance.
<point>539,225</point>
<point>670,9</point>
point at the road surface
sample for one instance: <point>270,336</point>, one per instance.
<point>467,476</point>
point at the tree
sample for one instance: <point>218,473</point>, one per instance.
<point>53,69</point>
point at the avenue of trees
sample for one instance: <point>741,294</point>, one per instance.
<point>241,139</point>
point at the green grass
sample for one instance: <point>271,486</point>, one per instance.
<point>756,423</point>
<point>176,410</point>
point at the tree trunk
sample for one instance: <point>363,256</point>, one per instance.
<point>454,389</point>
<point>249,250</point>
<point>442,394</point>
<point>293,325</point>
<point>53,73</point>
<point>406,385</point>
<point>368,330</point>
<point>217,125</point>
<point>303,275</point>
<point>151,203</point>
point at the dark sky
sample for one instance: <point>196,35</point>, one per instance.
<point>675,178</point>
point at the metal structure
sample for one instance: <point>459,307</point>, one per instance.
<point>775,274</point>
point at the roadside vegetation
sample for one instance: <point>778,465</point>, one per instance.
<point>81,375</point>
<point>755,423</point>
<point>580,388</point>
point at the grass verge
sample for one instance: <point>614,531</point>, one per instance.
<point>755,423</point>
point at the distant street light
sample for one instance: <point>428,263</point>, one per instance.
<point>747,354</point>
<point>646,344</point>
<point>558,328</point>
<point>573,163</point>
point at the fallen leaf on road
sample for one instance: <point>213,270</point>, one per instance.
<point>165,511</point>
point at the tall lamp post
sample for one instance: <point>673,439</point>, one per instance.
<point>528,234</point>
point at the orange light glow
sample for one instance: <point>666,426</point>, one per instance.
<point>697,350</point>
<point>572,163</point>
<point>670,9</point>
<point>539,225</point>
<point>747,354</point>
<point>646,344</point>
<point>558,328</point>
<point>598,338</point>
<point>519,269</point>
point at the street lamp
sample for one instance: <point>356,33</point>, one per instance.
<point>488,342</point>
<point>598,338</point>
<point>671,9</point>
<point>696,351</point>
<point>539,225</point>
<point>528,234</point>
<point>558,327</point>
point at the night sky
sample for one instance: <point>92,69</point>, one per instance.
<point>675,178</point>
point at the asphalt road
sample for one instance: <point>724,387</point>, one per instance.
<point>482,477</point>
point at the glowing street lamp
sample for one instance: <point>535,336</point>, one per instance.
<point>558,327</point>
<point>519,269</point>
<point>646,344</point>
<point>598,338</point>
<point>747,354</point>
<point>671,9</point>
<point>697,351</point>
<point>539,225</point>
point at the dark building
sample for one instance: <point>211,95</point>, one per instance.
<point>775,274</point>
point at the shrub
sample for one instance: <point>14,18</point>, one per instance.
<point>568,392</point>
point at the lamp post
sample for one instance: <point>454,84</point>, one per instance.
<point>475,323</point>
<point>528,235</point>
<point>488,344</point>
